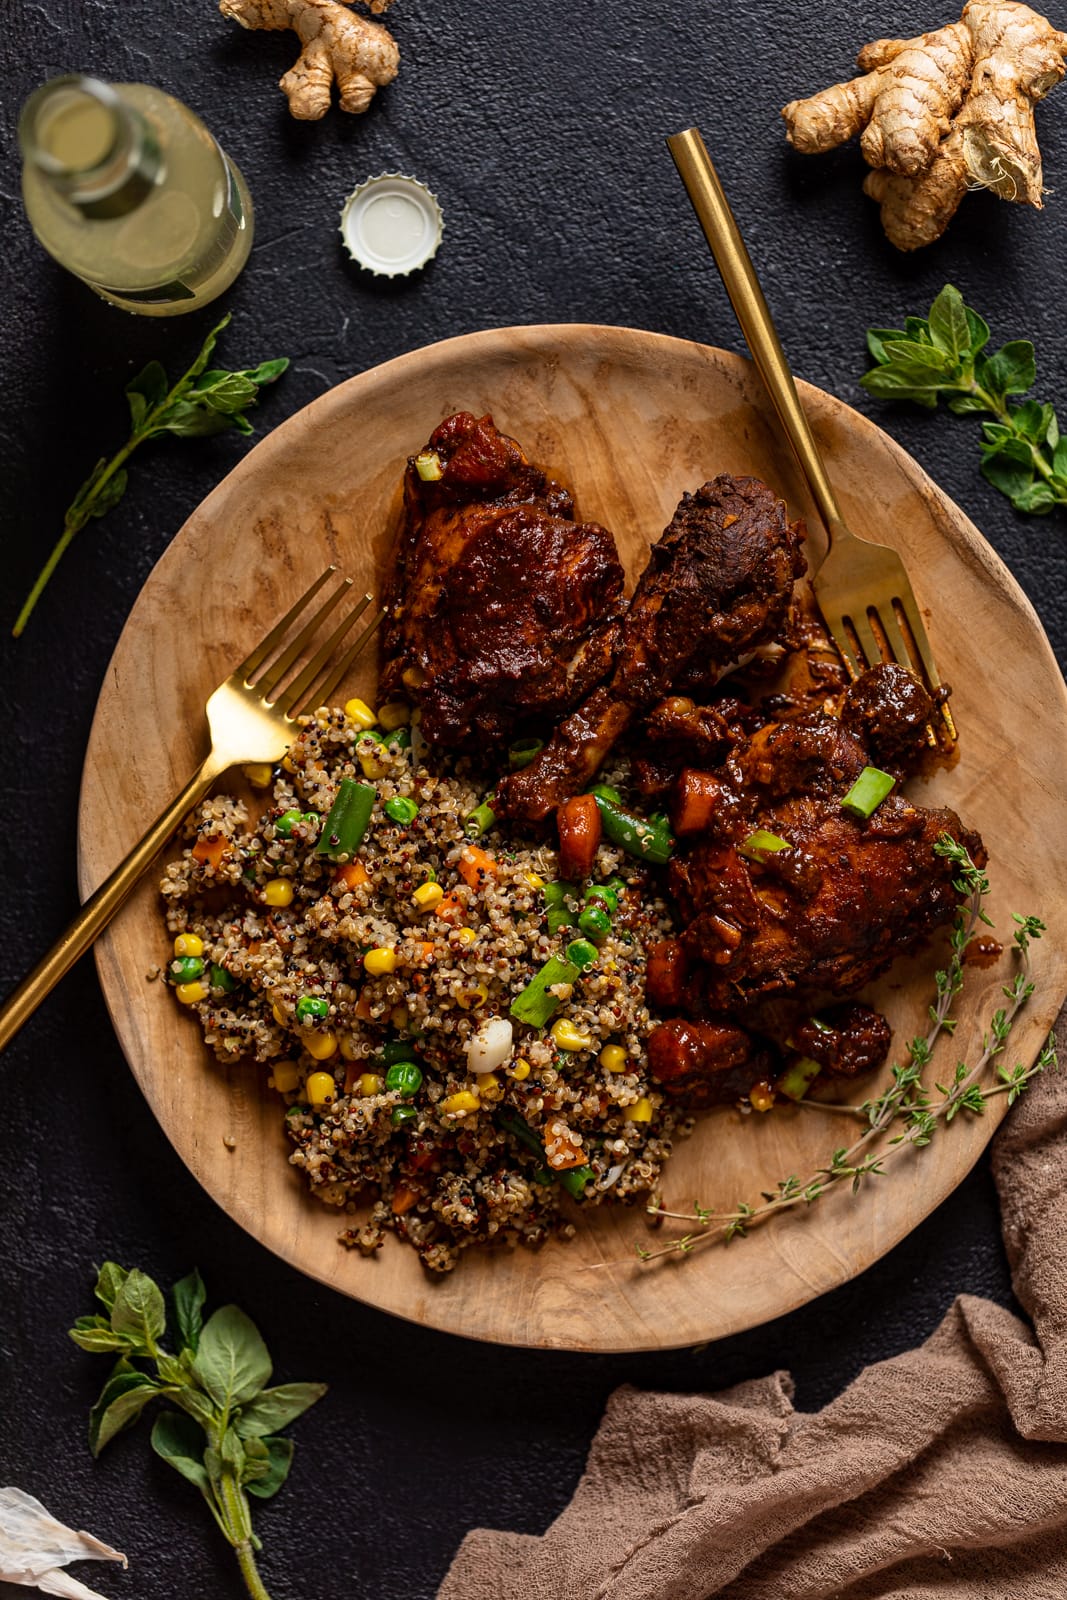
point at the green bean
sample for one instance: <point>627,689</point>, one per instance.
<point>535,1004</point>
<point>348,820</point>
<point>646,840</point>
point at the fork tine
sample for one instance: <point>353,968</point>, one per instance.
<point>895,639</point>
<point>277,670</point>
<point>350,655</point>
<point>865,637</point>
<point>280,629</point>
<point>300,686</point>
<point>922,651</point>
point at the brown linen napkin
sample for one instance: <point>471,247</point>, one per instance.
<point>940,1472</point>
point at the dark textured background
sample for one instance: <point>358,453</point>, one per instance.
<point>541,129</point>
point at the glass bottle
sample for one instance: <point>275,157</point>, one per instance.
<point>124,186</point>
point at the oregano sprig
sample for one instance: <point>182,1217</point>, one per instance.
<point>201,402</point>
<point>907,1103</point>
<point>942,356</point>
<point>225,1435</point>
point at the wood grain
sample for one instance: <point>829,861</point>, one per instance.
<point>628,420</point>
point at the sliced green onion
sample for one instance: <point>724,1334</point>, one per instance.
<point>428,466</point>
<point>395,1050</point>
<point>797,1079</point>
<point>343,830</point>
<point>402,1114</point>
<point>575,1179</point>
<point>867,793</point>
<point>401,809</point>
<point>646,840</point>
<point>823,1027</point>
<point>481,819</point>
<point>760,843</point>
<point>522,752</point>
<point>582,953</point>
<point>557,894</point>
<point>604,791</point>
<point>557,918</point>
<point>535,1004</point>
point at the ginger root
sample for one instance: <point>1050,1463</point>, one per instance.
<point>942,113</point>
<point>337,44</point>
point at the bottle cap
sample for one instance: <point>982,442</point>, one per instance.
<point>392,225</point>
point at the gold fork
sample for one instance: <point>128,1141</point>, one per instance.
<point>863,591</point>
<point>246,725</point>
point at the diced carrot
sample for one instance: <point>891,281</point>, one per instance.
<point>353,1073</point>
<point>475,865</point>
<point>353,875</point>
<point>424,949</point>
<point>450,909</point>
<point>211,850</point>
<point>665,973</point>
<point>578,821</point>
<point>696,798</point>
<point>422,1156</point>
<point>563,1147</point>
<point>362,1008</point>
<point>403,1199</point>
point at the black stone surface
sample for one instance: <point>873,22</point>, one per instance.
<point>541,129</point>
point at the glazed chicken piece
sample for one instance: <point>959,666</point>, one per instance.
<point>499,606</point>
<point>829,913</point>
<point>718,584</point>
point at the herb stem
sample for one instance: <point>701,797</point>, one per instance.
<point>239,1532</point>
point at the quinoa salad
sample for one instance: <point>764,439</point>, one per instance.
<point>456,1036</point>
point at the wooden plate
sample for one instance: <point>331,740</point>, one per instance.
<point>628,420</point>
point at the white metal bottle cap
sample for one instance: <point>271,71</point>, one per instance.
<point>392,224</point>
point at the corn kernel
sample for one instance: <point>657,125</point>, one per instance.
<point>519,1070</point>
<point>259,774</point>
<point>460,1103</point>
<point>372,767</point>
<point>190,993</point>
<point>188,944</point>
<point>285,1076</point>
<point>396,714</point>
<point>466,935</point>
<point>350,1047</point>
<point>761,1097</point>
<point>279,1016</point>
<point>288,764</point>
<point>567,1037</point>
<point>278,892</point>
<point>428,895</point>
<point>380,961</point>
<point>370,1083</point>
<point>640,1111</point>
<point>613,1058</point>
<point>472,997</point>
<point>489,1086</point>
<point>359,712</point>
<point>320,1089</point>
<point>534,880</point>
<point>399,1018</point>
<point>320,1046</point>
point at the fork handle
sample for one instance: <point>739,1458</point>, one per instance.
<point>738,274</point>
<point>102,905</point>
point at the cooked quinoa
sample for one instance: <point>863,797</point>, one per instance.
<point>376,989</point>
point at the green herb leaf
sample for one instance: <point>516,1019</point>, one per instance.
<point>232,1361</point>
<point>145,392</point>
<point>96,1335</point>
<point>188,1297</point>
<point>279,1460</point>
<point>1022,453</point>
<point>181,1443</point>
<point>138,1310</point>
<point>109,1281</point>
<point>276,1408</point>
<point>122,1399</point>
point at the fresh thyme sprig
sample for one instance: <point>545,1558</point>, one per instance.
<point>199,403</point>
<point>906,1101</point>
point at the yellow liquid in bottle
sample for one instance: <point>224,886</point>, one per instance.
<point>174,234</point>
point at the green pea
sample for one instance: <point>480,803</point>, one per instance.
<point>286,822</point>
<point>311,1008</point>
<point>395,1050</point>
<point>221,979</point>
<point>370,733</point>
<point>399,739</point>
<point>401,809</point>
<point>403,1114</point>
<point>595,923</point>
<point>603,894</point>
<point>186,969</point>
<point>582,953</point>
<point>405,1077</point>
